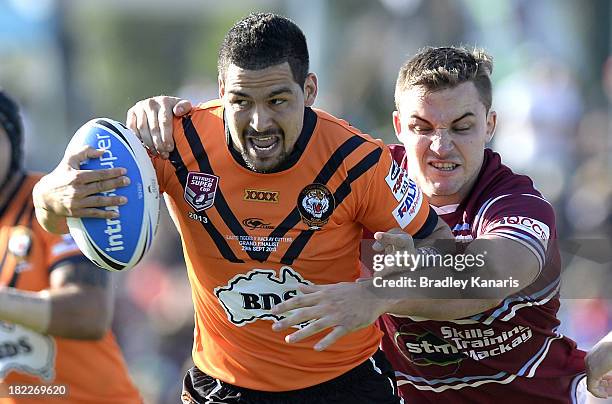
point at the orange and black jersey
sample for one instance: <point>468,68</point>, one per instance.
<point>93,371</point>
<point>250,239</point>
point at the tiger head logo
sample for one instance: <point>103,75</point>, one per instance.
<point>316,204</point>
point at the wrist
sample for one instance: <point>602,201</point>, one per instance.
<point>379,303</point>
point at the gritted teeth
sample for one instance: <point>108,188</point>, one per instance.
<point>264,142</point>
<point>445,166</point>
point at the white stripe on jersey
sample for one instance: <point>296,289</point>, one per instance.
<point>427,387</point>
<point>522,239</point>
<point>483,210</point>
<point>517,307</point>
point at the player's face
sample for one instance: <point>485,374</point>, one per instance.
<point>444,133</point>
<point>264,110</point>
<point>5,154</point>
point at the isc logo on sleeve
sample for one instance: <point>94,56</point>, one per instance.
<point>536,228</point>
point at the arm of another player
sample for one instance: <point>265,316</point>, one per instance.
<point>78,303</point>
<point>599,368</point>
<point>70,192</point>
<point>151,121</point>
<point>503,257</point>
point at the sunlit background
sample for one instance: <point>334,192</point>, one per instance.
<point>69,61</point>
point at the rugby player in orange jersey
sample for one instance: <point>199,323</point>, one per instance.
<point>55,306</point>
<point>269,195</point>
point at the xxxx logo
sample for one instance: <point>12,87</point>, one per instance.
<point>258,195</point>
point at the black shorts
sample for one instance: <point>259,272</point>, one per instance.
<point>372,382</point>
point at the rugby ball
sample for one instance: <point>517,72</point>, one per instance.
<point>118,244</point>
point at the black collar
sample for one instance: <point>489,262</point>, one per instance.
<point>310,121</point>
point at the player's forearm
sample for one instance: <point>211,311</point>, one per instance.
<point>30,309</point>
<point>440,309</point>
<point>70,312</point>
<point>80,312</point>
<point>50,221</point>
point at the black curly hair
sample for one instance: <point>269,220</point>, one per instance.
<point>262,40</point>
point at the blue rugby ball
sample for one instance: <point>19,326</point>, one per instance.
<point>118,244</point>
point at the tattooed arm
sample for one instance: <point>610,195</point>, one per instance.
<point>78,303</point>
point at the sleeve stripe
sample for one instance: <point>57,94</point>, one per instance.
<point>69,259</point>
<point>483,210</point>
<point>534,241</point>
<point>531,248</point>
<point>429,225</point>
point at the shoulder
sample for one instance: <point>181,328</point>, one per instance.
<point>340,130</point>
<point>212,106</point>
<point>206,110</point>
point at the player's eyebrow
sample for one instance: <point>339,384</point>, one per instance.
<point>239,93</point>
<point>274,93</point>
<point>281,90</point>
<point>419,118</point>
<point>463,116</point>
<point>467,114</point>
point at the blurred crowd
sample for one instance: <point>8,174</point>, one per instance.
<point>69,61</point>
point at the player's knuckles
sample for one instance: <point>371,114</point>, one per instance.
<point>151,104</point>
<point>165,119</point>
<point>77,177</point>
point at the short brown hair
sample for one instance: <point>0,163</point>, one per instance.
<point>440,68</point>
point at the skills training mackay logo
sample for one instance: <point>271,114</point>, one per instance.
<point>200,190</point>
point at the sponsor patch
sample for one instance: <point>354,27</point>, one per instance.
<point>249,297</point>
<point>398,181</point>
<point>316,204</point>
<point>537,229</point>
<point>200,190</point>
<point>255,223</point>
<point>260,195</point>
<point>409,206</point>
<point>26,351</point>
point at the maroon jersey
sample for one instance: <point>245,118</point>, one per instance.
<point>512,353</point>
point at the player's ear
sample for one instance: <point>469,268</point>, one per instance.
<point>491,124</point>
<point>310,89</point>
<point>221,84</point>
<point>397,124</point>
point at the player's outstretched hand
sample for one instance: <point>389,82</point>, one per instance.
<point>151,121</point>
<point>599,368</point>
<point>343,307</point>
<point>70,192</point>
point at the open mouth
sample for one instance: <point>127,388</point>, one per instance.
<point>445,166</point>
<point>264,143</point>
